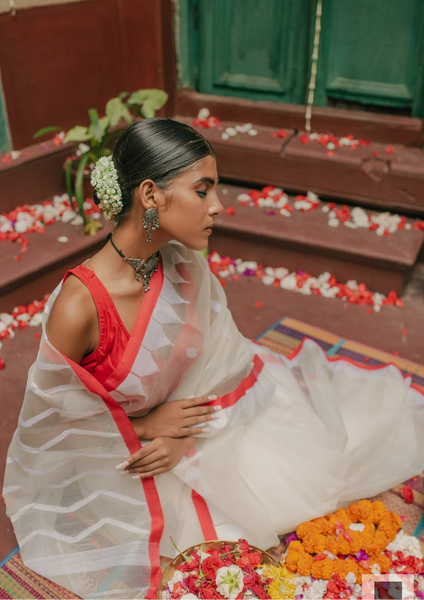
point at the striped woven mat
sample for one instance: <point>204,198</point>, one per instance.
<point>284,337</point>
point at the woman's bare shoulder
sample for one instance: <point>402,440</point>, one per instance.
<point>73,320</point>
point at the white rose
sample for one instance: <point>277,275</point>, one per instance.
<point>229,581</point>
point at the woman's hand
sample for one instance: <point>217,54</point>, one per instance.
<point>176,419</point>
<point>158,456</point>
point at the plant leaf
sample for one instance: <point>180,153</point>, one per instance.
<point>77,134</point>
<point>46,130</point>
<point>116,110</point>
<point>156,97</point>
<point>103,125</point>
<point>95,125</point>
<point>79,191</point>
<point>148,110</point>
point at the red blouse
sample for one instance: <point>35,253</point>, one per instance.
<point>113,333</point>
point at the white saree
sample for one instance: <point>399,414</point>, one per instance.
<point>297,438</point>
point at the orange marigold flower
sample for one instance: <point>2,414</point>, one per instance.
<point>317,569</point>
<point>327,569</point>
<point>306,529</point>
<point>291,561</point>
<point>378,511</point>
<point>352,512</point>
<point>341,567</point>
<point>343,545</point>
<point>380,541</point>
<point>364,510</point>
<point>296,546</point>
<point>323,525</point>
<point>304,564</point>
<point>314,543</point>
<point>331,544</point>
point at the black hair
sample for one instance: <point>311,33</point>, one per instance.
<point>159,149</point>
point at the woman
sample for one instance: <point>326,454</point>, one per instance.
<point>142,373</point>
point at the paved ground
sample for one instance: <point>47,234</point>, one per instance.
<point>393,329</point>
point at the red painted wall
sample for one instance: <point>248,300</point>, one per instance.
<point>57,61</point>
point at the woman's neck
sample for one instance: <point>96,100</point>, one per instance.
<point>132,241</point>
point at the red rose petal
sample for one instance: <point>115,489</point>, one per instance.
<point>230,210</point>
<point>2,364</point>
<point>259,304</point>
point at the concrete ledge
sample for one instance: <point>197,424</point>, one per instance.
<point>367,125</point>
<point>34,176</point>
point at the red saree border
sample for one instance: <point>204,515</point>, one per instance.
<point>248,382</point>
<point>133,444</point>
<point>204,516</point>
<point>137,335</point>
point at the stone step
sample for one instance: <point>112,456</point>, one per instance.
<point>304,241</point>
<point>34,175</point>
<point>42,267</point>
<point>367,176</point>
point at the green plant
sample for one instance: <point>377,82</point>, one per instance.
<point>97,139</point>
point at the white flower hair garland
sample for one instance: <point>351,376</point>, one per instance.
<point>104,179</point>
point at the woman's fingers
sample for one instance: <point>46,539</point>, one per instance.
<point>187,431</point>
<point>139,455</point>
<point>198,420</point>
<point>151,473</point>
<point>201,411</point>
<point>197,401</point>
<point>157,464</point>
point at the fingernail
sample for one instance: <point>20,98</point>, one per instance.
<point>189,397</point>
<point>205,430</point>
<point>135,477</point>
<point>217,407</point>
<point>124,472</point>
<point>214,416</point>
<point>212,397</point>
<point>123,465</point>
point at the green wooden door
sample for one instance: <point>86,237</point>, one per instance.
<point>4,128</point>
<point>370,55</point>
<point>250,48</point>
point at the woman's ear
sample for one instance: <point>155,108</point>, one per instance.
<point>146,194</point>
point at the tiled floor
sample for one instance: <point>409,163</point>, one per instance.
<point>393,329</point>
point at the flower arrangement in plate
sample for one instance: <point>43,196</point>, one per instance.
<point>224,569</point>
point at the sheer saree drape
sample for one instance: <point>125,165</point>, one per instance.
<point>295,439</point>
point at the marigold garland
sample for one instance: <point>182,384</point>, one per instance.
<point>328,546</point>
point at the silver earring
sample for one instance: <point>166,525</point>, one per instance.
<point>150,222</point>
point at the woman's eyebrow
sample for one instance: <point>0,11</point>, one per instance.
<point>207,180</point>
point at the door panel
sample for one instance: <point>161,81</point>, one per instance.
<point>370,52</point>
<point>247,48</point>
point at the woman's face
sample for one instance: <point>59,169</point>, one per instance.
<point>193,206</point>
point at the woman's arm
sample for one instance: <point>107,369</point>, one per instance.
<point>72,326</point>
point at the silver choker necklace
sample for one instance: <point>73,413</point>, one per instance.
<point>142,268</point>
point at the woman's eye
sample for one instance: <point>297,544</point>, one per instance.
<point>202,194</point>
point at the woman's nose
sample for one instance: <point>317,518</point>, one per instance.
<point>217,208</point>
